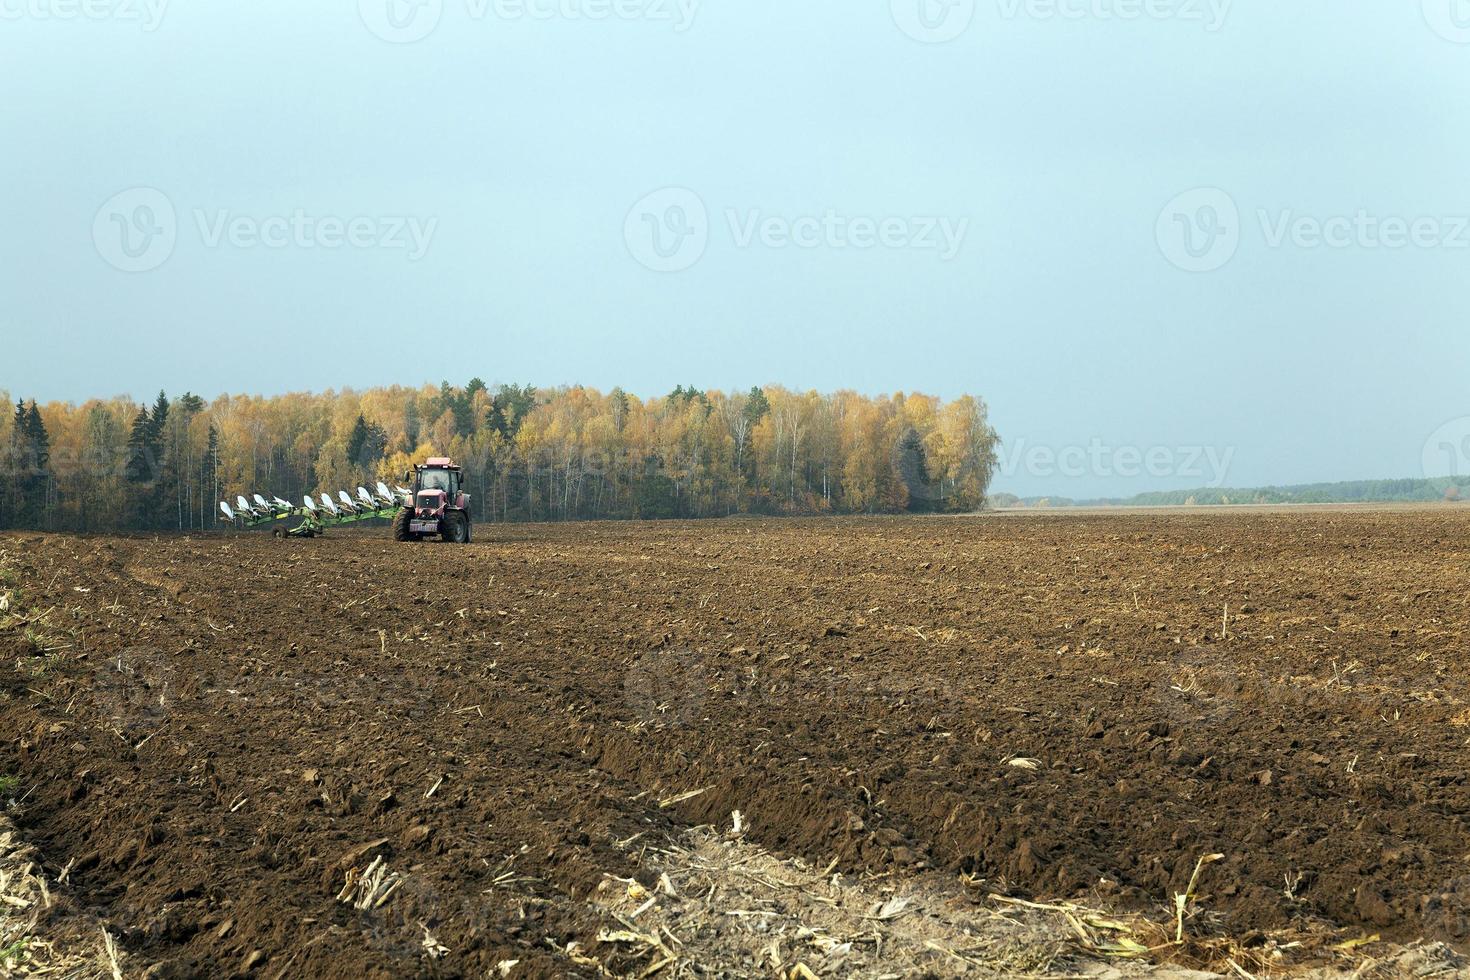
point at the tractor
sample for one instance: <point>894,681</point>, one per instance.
<point>437,505</point>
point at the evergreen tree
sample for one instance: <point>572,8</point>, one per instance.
<point>472,390</point>
<point>357,440</point>
<point>139,471</point>
<point>140,463</point>
<point>913,470</point>
<point>30,455</point>
<point>366,444</point>
<point>37,439</point>
<point>209,472</point>
<point>411,424</point>
<point>159,419</point>
<point>757,406</point>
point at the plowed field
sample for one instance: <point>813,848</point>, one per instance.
<point>217,735</point>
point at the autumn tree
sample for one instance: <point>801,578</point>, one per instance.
<point>570,453</point>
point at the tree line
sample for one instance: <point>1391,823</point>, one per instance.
<point>569,453</point>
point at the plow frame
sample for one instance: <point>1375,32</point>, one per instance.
<point>309,519</point>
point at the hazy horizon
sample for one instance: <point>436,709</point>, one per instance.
<point>1143,233</point>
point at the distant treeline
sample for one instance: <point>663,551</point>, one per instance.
<point>1347,492</point>
<point>561,454</point>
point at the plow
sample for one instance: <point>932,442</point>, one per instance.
<point>435,506</point>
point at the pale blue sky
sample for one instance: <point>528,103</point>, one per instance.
<point>1046,147</point>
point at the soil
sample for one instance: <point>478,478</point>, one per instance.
<point>217,735</point>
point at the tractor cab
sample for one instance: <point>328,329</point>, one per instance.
<point>435,486</point>
<point>437,474</point>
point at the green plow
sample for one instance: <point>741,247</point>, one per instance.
<point>287,520</point>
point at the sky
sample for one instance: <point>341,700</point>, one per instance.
<point>1172,243</point>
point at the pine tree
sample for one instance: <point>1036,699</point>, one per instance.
<point>159,419</point>
<point>411,424</point>
<point>40,442</point>
<point>140,464</point>
<point>913,470</point>
<point>209,471</point>
<point>139,471</point>
<point>471,390</point>
<point>757,406</point>
<point>40,450</point>
<point>29,452</point>
<point>357,440</point>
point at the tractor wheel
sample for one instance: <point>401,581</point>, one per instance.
<point>400,525</point>
<point>456,529</point>
<point>280,530</point>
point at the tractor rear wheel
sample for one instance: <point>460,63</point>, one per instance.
<point>400,525</point>
<point>456,528</point>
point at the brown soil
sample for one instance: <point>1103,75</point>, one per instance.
<point>217,734</point>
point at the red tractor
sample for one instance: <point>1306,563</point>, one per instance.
<point>438,505</point>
